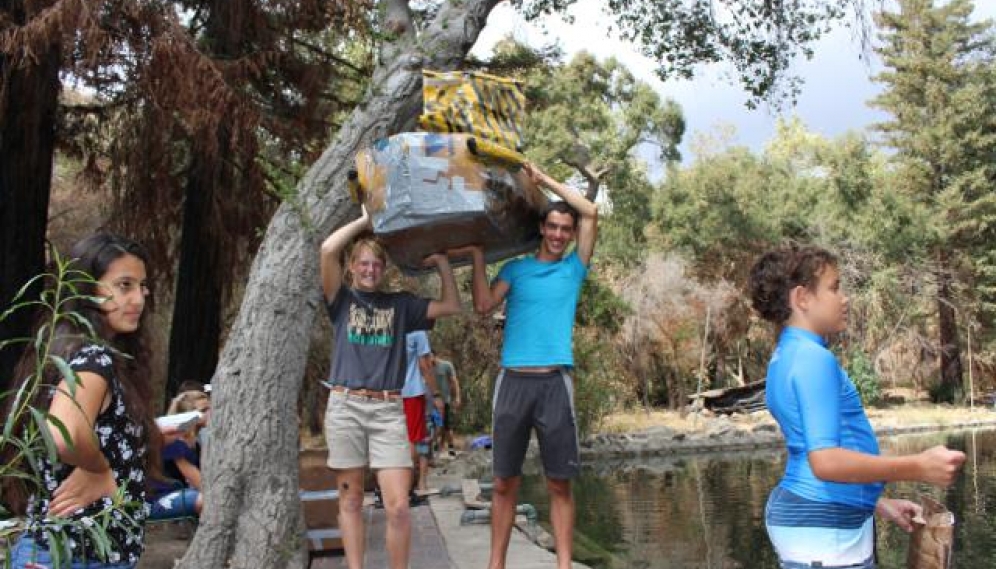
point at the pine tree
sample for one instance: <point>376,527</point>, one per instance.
<point>29,90</point>
<point>939,90</point>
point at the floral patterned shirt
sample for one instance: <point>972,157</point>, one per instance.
<point>123,443</point>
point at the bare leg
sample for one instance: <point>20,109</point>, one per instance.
<point>416,470</point>
<point>504,495</point>
<point>350,483</point>
<point>394,486</point>
<point>423,473</point>
<point>562,517</point>
<point>440,439</point>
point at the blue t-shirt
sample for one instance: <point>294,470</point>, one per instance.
<point>170,453</point>
<point>541,301</point>
<point>416,347</point>
<point>817,407</point>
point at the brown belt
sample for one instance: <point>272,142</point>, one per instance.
<point>384,395</point>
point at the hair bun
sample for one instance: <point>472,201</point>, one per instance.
<point>777,272</point>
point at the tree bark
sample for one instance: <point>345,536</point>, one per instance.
<point>252,508</point>
<point>28,104</point>
<point>195,333</point>
<point>950,389</point>
<point>593,177</point>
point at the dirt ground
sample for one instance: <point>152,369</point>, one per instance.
<point>166,543</point>
<point>919,412</point>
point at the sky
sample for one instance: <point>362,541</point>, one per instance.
<point>833,100</point>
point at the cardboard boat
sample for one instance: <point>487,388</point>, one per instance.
<point>428,192</point>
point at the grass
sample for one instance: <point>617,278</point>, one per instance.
<point>637,419</point>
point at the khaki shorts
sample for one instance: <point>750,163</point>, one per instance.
<point>364,432</point>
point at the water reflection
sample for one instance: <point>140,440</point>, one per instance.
<point>708,512</point>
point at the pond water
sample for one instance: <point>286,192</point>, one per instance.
<point>708,511</point>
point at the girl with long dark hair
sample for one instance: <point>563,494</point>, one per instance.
<point>112,441</point>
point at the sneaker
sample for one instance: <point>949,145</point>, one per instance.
<point>416,500</point>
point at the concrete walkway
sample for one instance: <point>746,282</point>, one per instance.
<point>440,542</point>
<point>427,551</point>
<point>469,546</point>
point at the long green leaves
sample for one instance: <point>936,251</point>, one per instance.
<point>29,432</point>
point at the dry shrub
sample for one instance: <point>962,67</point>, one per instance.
<point>663,337</point>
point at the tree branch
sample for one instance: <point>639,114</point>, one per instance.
<point>398,19</point>
<point>99,109</point>
<point>455,30</point>
<point>443,45</point>
<point>593,177</point>
<point>327,55</point>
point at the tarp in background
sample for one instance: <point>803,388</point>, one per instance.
<point>426,192</point>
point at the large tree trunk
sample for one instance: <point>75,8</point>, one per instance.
<point>28,102</point>
<point>950,389</point>
<point>252,509</point>
<point>195,333</point>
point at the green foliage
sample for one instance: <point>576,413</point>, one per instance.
<point>595,112</point>
<point>600,307</point>
<point>940,93</point>
<point>586,119</point>
<point>722,210</point>
<point>865,379</point>
<point>759,38</point>
<point>473,344</point>
<point>622,237</point>
<point>731,204</point>
<point>26,439</point>
<point>599,386</point>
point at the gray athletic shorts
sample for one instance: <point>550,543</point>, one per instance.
<point>541,401</point>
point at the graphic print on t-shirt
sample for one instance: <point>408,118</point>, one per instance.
<point>371,326</point>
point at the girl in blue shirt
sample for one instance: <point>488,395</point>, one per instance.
<point>820,514</point>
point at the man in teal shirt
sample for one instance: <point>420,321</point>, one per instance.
<point>534,390</point>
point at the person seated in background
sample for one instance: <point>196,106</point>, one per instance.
<point>191,385</point>
<point>194,385</point>
<point>179,494</point>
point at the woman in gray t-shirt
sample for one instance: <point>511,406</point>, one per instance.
<point>365,421</point>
